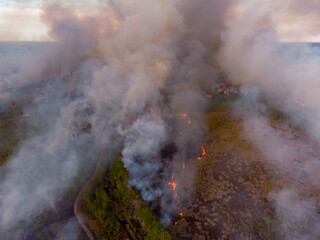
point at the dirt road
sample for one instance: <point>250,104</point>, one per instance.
<point>82,219</point>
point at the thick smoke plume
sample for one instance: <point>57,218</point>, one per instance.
<point>143,69</point>
<point>141,72</point>
<point>286,73</point>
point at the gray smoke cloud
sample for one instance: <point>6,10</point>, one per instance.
<point>24,63</point>
<point>128,57</point>
<point>131,57</point>
<point>288,75</point>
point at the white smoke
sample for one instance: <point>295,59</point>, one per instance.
<point>134,55</point>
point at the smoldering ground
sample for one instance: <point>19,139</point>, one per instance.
<point>131,56</point>
<point>126,61</point>
<point>287,75</point>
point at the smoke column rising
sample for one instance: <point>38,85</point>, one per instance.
<point>134,55</point>
<point>129,55</point>
<point>253,57</point>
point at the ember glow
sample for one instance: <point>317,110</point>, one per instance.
<point>203,153</point>
<point>173,185</point>
<point>141,75</point>
<point>296,102</point>
<point>185,117</point>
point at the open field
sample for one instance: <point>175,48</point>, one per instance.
<point>232,195</point>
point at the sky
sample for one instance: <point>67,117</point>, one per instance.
<point>295,21</point>
<point>20,21</point>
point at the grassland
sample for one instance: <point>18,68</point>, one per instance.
<point>231,197</point>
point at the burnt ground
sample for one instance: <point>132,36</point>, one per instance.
<point>236,194</point>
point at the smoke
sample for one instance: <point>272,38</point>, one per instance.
<point>286,74</point>
<point>143,69</point>
<point>23,63</point>
<point>296,160</point>
<point>128,57</point>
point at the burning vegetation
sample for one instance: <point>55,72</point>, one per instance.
<point>207,112</point>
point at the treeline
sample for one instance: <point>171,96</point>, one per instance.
<point>12,129</point>
<point>118,212</point>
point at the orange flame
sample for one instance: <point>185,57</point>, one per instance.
<point>186,117</point>
<point>297,102</point>
<point>181,214</point>
<point>183,165</point>
<point>203,153</point>
<point>173,185</point>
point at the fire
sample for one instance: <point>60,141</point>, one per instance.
<point>181,214</point>
<point>203,153</point>
<point>183,165</point>
<point>173,185</point>
<point>175,196</point>
<point>186,117</point>
<point>301,104</point>
<point>297,102</point>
